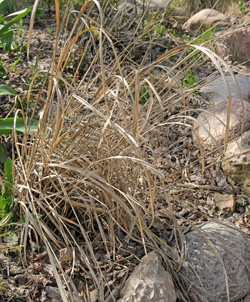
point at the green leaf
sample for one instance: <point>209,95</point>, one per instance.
<point>8,171</point>
<point>7,39</point>
<point>6,200</point>
<point>14,238</point>
<point>19,15</point>
<point>6,125</point>
<point>3,156</point>
<point>6,90</point>
<point>3,73</point>
<point>3,202</point>
<point>14,64</point>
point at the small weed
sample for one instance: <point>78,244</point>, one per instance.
<point>158,26</point>
<point>144,94</point>
<point>14,64</point>
<point>235,52</point>
<point>205,36</point>
<point>3,73</point>
<point>6,32</point>
<point>6,198</point>
<point>241,6</point>
<point>189,80</point>
<point>160,29</point>
<point>49,31</point>
<point>8,7</point>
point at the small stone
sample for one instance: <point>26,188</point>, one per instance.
<point>225,202</point>
<point>236,163</point>
<point>211,124</point>
<point>94,295</point>
<point>149,282</point>
<point>65,255</point>
<point>53,292</point>
<point>205,18</point>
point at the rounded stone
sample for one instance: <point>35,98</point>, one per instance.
<point>216,252</point>
<point>206,18</point>
<point>210,125</point>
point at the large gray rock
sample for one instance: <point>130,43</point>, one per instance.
<point>236,163</point>
<point>216,91</point>
<point>205,18</point>
<point>149,282</point>
<point>204,269</point>
<point>211,124</point>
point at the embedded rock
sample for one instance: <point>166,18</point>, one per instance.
<point>205,270</point>
<point>247,298</point>
<point>236,46</point>
<point>149,282</point>
<point>225,202</point>
<point>217,91</point>
<point>205,18</point>
<point>210,125</point>
<point>236,163</point>
<point>154,4</point>
<point>136,6</point>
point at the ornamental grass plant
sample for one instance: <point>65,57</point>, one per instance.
<point>90,179</point>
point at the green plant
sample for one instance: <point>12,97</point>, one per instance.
<point>241,6</point>
<point>144,94</point>
<point>189,81</point>
<point>7,7</point>
<point>155,26</point>
<point>7,90</point>
<point>6,32</point>
<point>3,73</point>
<point>49,31</point>
<point>7,125</point>
<point>207,35</point>
<point>18,41</point>
<point>14,64</point>
<point>6,198</point>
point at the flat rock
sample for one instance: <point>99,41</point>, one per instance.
<point>205,18</point>
<point>149,282</point>
<point>214,120</point>
<point>236,163</point>
<point>136,6</point>
<point>235,46</point>
<point>225,202</point>
<point>154,3</point>
<point>216,91</point>
<point>53,293</point>
<point>205,271</point>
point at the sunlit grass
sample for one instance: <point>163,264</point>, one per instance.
<point>90,171</point>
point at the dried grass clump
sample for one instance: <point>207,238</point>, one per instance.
<point>89,176</point>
